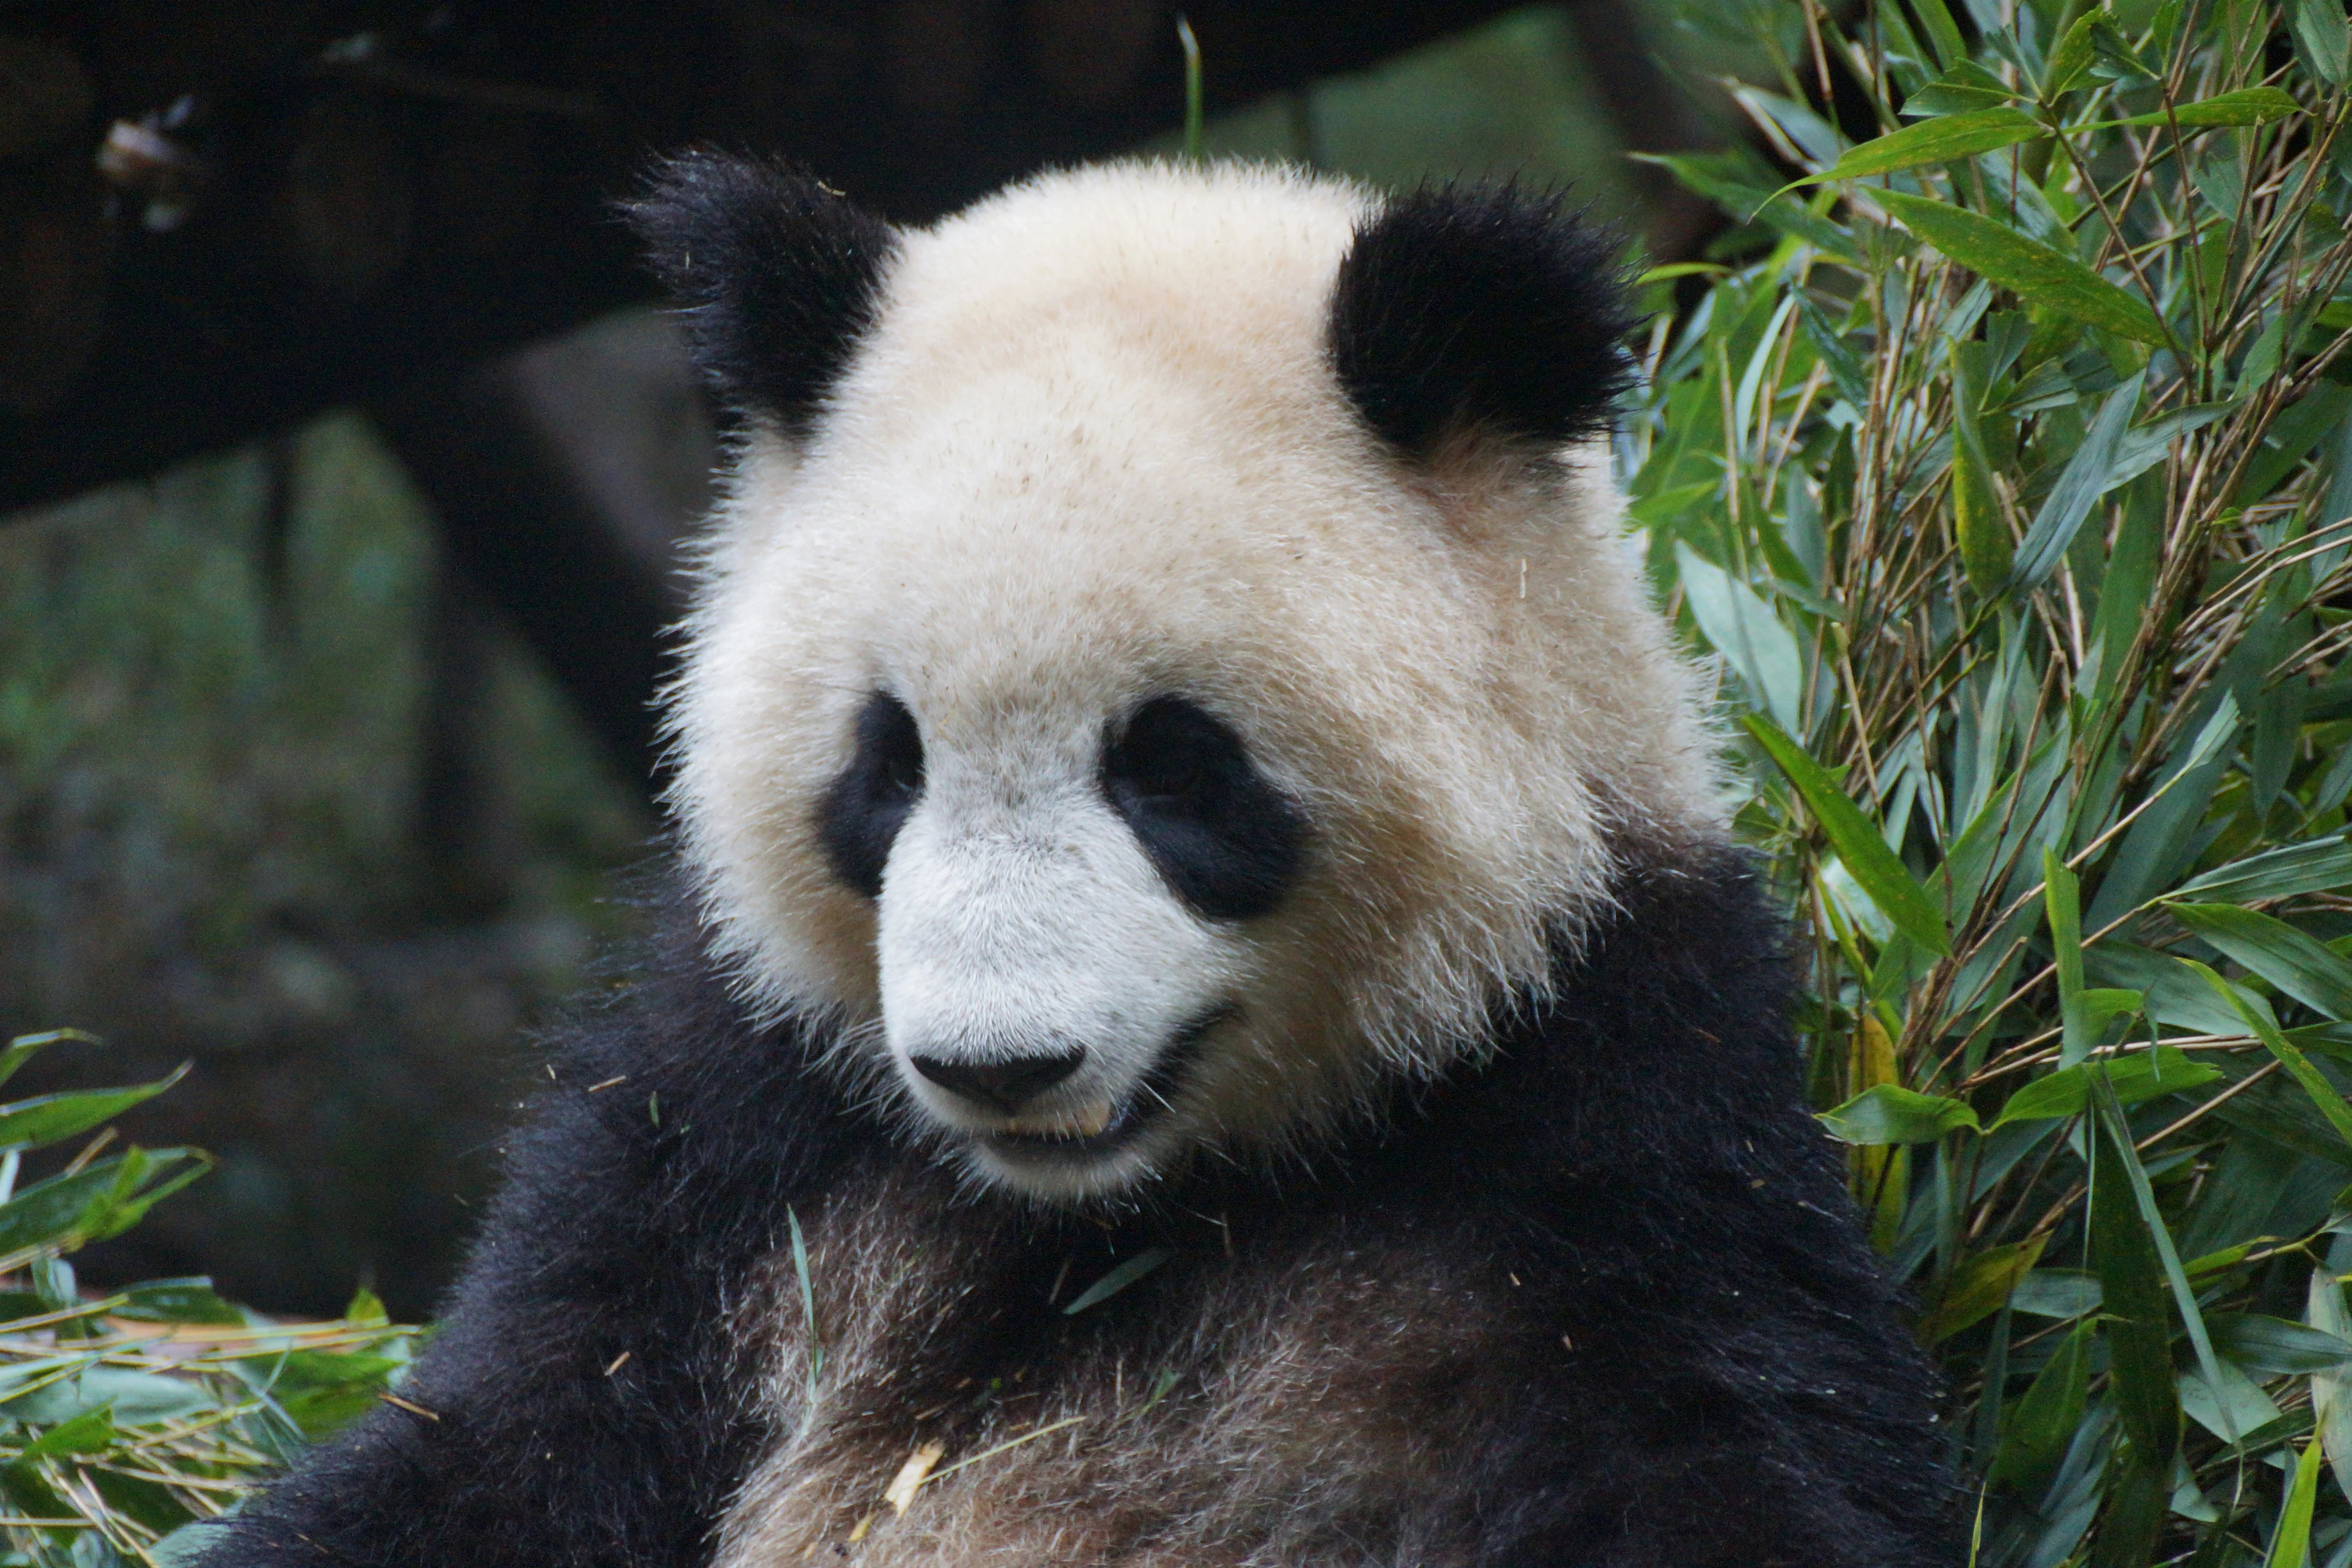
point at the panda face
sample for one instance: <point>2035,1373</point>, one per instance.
<point>1058,935</point>
<point>1141,711</point>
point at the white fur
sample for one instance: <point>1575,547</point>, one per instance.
<point>1093,452</point>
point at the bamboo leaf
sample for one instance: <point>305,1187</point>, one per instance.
<point>2062,896</point>
<point>1967,86</point>
<point>2297,963</point>
<point>1859,844</point>
<point>1978,1288</point>
<point>1119,1279</point>
<point>1889,1113</point>
<point>2331,1391</point>
<point>2247,106</point>
<point>1737,182</point>
<point>2259,1021</point>
<point>2036,1437</point>
<point>2144,446</point>
<point>2165,1069</point>
<point>2291,1541</point>
<point>2115,1141</point>
<point>1845,371</point>
<point>1938,140</point>
<point>2070,57</point>
<point>1978,516</point>
<point>2277,1347</point>
<point>2136,1319</point>
<point>2326,40</point>
<point>53,1118</point>
<point>1743,628</point>
<point>2088,475</point>
<point>2033,271</point>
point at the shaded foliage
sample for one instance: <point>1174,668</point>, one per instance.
<point>128,1417</point>
<point>2009,477</point>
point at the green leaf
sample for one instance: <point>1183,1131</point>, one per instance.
<point>2324,39</point>
<point>2257,1015</point>
<point>2158,847</point>
<point>2089,474</point>
<point>51,1117</point>
<point>1967,86</point>
<point>2166,1070</point>
<point>1978,516</point>
<point>21,1049</point>
<point>2144,446</point>
<point>1978,1288</point>
<point>2275,1347</point>
<point>92,1431</point>
<point>99,1201</point>
<point>2331,1391</point>
<point>2116,1144</point>
<point>1889,1113</point>
<point>2057,1293</point>
<point>808,1301</point>
<point>1742,628</point>
<point>2070,57</point>
<point>1857,841</point>
<point>184,1301</point>
<point>2315,865</point>
<point>2291,438</point>
<point>2062,896</point>
<point>1741,185</point>
<point>2297,963</point>
<point>2291,1541</point>
<point>1119,1279</point>
<point>136,1398</point>
<point>2247,106</point>
<point>1938,141</point>
<point>2032,270</point>
<point>2136,1317</point>
<point>1845,371</point>
<point>2039,1434</point>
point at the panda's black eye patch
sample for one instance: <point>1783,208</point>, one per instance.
<point>864,808</point>
<point>1225,839</point>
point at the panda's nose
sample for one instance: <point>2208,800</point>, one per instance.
<point>1008,1083</point>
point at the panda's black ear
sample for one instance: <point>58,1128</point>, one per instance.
<point>1481,309</point>
<point>779,276</point>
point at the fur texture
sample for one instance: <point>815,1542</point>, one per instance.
<point>1599,1302</point>
<point>778,274</point>
<point>1179,789</point>
<point>1480,309</point>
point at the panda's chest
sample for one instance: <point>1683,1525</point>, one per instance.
<point>1214,1411</point>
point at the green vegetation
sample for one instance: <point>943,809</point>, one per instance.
<point>127,1417</point>
<point>2005,465</point>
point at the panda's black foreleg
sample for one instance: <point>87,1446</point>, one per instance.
<point>588,1405</point>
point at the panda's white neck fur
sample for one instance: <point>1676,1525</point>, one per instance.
<point>1094,452</point>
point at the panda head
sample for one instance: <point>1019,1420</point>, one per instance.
<point>1167,666</point>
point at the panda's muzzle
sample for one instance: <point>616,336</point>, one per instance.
<point>1102,1127</point>
<point>1005,1085</point>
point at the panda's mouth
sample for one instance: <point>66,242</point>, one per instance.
<point>1104,1128</point>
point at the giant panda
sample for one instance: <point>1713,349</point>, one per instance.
<point>1206,1013</point>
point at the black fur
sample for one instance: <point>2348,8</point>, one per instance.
<point>1636,1163</point>
<point>1216,829</point>
<point>1479,308</point>
<point>780,277</point>
<point>859,817</point>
